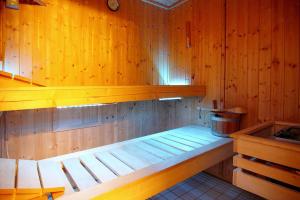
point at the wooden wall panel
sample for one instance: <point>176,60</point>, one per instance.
<point>262,70</point>
<point>277,69</point>
<point>236,52</point>
<point>203,63</point>
<point>292,60</point>
<point>83,43</point>
<point>252,63</point>
<point>261,63</point>
<point>1,36</point>
<point>31,134</point>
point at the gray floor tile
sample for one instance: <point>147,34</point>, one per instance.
<point>205,187</point>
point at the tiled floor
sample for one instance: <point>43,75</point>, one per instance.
<point>205,187</point>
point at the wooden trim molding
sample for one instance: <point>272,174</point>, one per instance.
<point>47,97</point>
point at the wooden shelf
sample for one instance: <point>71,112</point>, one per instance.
<point>47,97</point>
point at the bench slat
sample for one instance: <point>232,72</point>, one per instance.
<point>28,177</point>
<point>200,133</point>
<point>182,141</point>
<point>174,144</point>
<point>79,174</point>
<point>130,160</point>
<point>201,136</point>
<point>53,178</point>
<point>98,169</point>
<point>156,151</point>
<point>164,147</point>
<point>7,175</point>
<point>114,164</point>
<point>142,154</point>
<point>191,138</point>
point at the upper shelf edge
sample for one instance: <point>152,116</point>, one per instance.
<point>47,97</point>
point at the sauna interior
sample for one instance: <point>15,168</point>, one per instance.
<point>150,99</point>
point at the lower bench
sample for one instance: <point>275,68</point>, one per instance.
<point>133,169</point>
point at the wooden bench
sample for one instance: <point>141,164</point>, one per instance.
<point>133,169</point>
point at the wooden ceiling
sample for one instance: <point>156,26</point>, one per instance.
<point>166,4</point>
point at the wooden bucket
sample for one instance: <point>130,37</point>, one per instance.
<point>225,124</point>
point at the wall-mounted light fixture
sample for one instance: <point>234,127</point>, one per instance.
<point>170,99</point>
<point>80,106</point>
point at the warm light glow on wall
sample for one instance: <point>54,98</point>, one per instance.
<point>178,82</point>
<point>166,79</point>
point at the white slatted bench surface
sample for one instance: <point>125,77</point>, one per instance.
<point>132,169</point>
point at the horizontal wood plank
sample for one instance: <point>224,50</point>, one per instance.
<point>262,187</point>
<point>155,151</point>
<point>275,154</point>
<point>7,175</point>
<point>98,169</point>
<point>268,171</point>
<point>114,164</point>
<point>164,147</point>
<point>182,141</point>
<point>53,178</point>
<point>191,138</point>
<point>46,97</point>
<point>126,157</point>
<point>142,154</point>
<point>79,174</point>
<point>28,180</point>
<point>174,144</point>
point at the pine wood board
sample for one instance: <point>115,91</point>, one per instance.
<point>173,144</point>
<point>114,164</point>
<point>262,187</point>
<point>7,176</point>
<point>98,169</point>
<point>268,171</point>
<point>28,180</point>
<point>155,151</point>
<point>164,147</point>
<point>53,178</point>
<point>130,160</point>
<point>79,174</point>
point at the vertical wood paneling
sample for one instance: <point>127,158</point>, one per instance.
<point>203,63</point>
<point>269,75</point>
<point>277,69</point>
<point>84,43</point>
<point>236,61</point>
<point>11,40</point>
<point>26,40</point>
<point>1,35</point>
<point>264,79</point>
<point>253,62</point>
<point>31,134</point>
<point>292,60</point>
